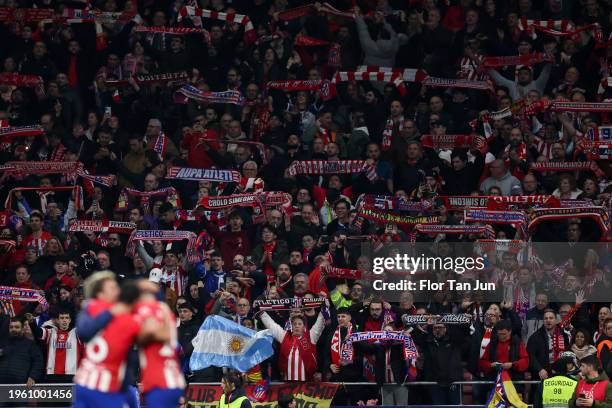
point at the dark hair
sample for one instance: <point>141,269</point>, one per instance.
<point>586,334</point>
<point>130,292</point>
<point>165,207</point>
<point>186,305</point>
<point>460,153</point>
<point>503,325</point>
<point>232,377</point>
<point>591,360</point>
<point>284,400</point>
<point>16,319</point>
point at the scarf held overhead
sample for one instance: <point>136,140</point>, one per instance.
<point>409,349</point>
<point>117,227</point>
<point>164,235</point>
<point>214,175</point>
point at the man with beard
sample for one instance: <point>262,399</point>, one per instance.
<point>343,296</point>
<point>524,82</point>
<point>546,345</point>
<point>284,279</point>
<point>20,359</point>
<point>482,335</point>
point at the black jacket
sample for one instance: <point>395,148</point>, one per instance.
<point>186,333</point>
<point>464,181</point>
<point>443,357</point>
<point>21,359</point>
<point>537,347</point>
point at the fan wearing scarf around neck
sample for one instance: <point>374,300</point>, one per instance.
<point>546,345</point>
<point>271,252</point>
<point>334,368</point>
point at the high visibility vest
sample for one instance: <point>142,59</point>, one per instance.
<point>234,404</point>
<point>557,391</point>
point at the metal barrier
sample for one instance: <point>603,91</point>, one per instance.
<point>4,388</point>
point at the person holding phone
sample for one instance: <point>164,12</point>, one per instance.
<point>594,389</point>
<point>506,350</point>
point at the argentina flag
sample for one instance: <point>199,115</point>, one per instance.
<point>223,343</point>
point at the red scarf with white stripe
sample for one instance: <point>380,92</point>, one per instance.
<point>336,343</point>
<point>387,134</point>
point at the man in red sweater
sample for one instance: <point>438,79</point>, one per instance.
<point>505,350</point>
<point>202,148</point>
<point>232,242</point>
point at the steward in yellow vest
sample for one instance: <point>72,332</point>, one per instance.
<point>555,392</point>
<point>234,395</point>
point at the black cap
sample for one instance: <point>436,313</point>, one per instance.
<point>249,260</point>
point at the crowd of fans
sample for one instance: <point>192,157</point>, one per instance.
<point>94,107</point>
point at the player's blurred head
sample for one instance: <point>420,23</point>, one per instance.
<point>102,286</point>
<point>130,292</point>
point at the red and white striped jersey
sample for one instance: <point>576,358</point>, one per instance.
<point>159,363</point>
<point>38,243</point>
<point>175,279</point>
<point>64,350</point>
<point>103,367</point>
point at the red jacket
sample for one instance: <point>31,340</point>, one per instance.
<point>503,356</point>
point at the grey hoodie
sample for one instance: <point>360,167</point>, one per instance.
<point>380,52</point>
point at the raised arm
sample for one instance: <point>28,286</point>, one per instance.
<point>500,79</point>
<point>277,332</point>
<point>317,329</point>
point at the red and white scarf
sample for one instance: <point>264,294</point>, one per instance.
<point>494,217</point>
<point>447,142</point>
<point>458,229</point>
<point>382,217</point>
<point>556,345</point>
<point>567,166</point>
<point>268,199</point>
<point>10,132</point>
<point>25,15</point>
<point>603,85</point>
<point>393,77</point>
<point>331,167</point>
<point>329,271</point>
<point>78,201</point>
<point>502,202</point>
<point>174,31</point>
<point>460,202</point>
<point>337,343</point>
<point>598,214</point>
<point>145,196</point>
<point>387,134</point>
<point>109,226</point>
<point>195,174</point>
<point>563,106</point>
<point>186,92</point>
<point>143,79</point>
<point>21,168</point>
<point>250,35</point>
<point>526,59</point>
<point>164,235</point>
<point>23,295</point>
<point>324,86</point>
